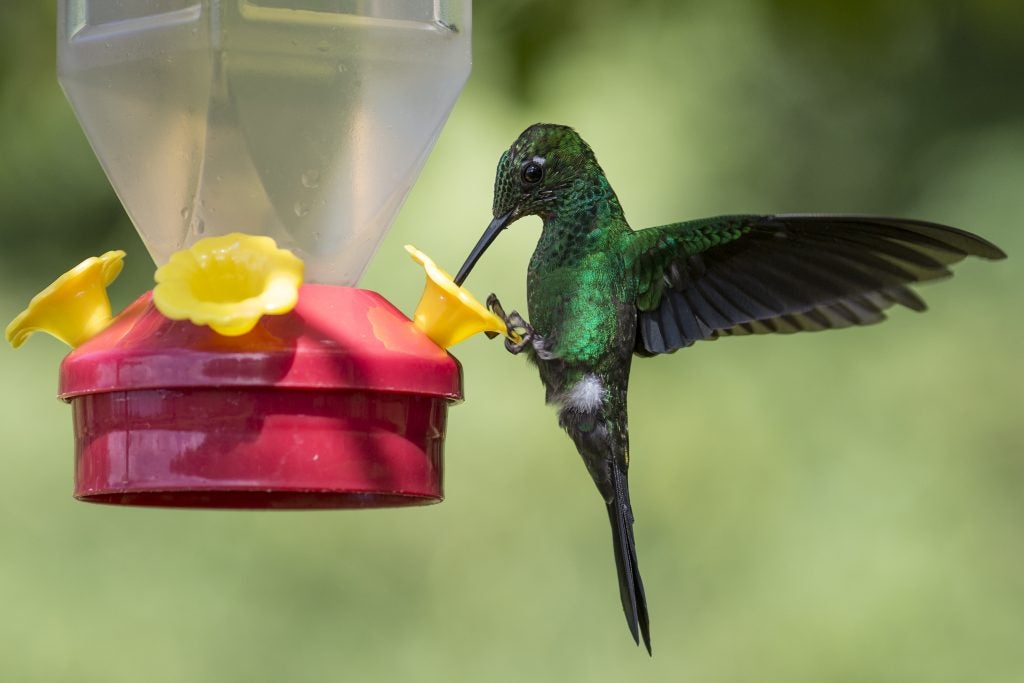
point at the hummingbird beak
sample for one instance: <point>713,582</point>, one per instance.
<point>496,226</point>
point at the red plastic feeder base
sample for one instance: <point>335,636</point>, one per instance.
<point>341,403</point>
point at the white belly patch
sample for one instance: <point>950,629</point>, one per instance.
<point>585,396</point>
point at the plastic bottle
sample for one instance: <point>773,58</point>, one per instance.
<point>304,120</point>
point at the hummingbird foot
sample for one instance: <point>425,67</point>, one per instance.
<point>517,326</point>
<point>523,329</point>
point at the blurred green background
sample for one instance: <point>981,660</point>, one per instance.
<point>827,507</point>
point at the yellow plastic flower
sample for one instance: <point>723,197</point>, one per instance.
<point>448,313</point>
<point>228,282</point>
<point>75,307</point>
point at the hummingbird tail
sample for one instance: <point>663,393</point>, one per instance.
<point>631,586</point>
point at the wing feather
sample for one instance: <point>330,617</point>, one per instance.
<point>748,274</point>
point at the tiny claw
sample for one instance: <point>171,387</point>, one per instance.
<point>519,331</point>
<point>518,327</point>
<point>495,306</point>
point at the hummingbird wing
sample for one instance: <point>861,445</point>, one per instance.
<point>749,274</point>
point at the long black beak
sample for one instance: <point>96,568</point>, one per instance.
<point>496,226</point>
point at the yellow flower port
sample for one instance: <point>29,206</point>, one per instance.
<point>75,307</point>
<point>228,282</point>
<point>447,313</point>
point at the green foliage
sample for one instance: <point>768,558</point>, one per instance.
<point>824,507</point>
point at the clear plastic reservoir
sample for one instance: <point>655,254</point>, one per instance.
<point>304,120</point>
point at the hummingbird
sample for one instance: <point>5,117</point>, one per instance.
<point>599,292</point>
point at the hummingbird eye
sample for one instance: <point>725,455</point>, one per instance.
<point>532,173</point>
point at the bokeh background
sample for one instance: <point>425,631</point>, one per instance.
<point>827,507</point>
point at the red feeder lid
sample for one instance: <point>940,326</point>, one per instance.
<point>340,403</point>
<point>334,338</point>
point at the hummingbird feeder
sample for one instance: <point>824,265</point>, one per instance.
<point>256,374</point>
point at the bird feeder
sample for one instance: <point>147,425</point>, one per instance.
<point>302,121</point>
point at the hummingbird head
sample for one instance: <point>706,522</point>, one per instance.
<point>533,176</point>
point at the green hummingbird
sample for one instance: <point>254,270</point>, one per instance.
<point>599,292</point>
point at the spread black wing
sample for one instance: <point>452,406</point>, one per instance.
<point>735,275</point>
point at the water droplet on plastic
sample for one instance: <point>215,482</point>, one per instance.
<point>311,178</point>
<point>184,212</point>
<point>301,209</point>
<point>342,67</point>
<point>200,226</point>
